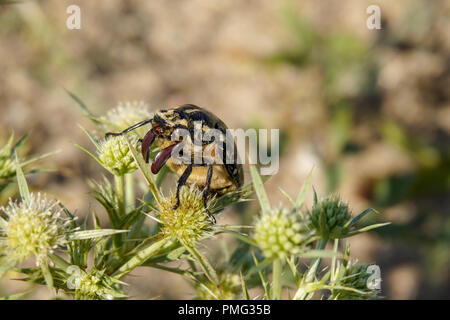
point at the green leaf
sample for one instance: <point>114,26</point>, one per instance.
<point>301,196</point>
<point>15,296</point>
<point>19,143</point>
<point>320,254</point>
<point>260,265</point>
<point>91,234</point>
<point>91,137</point>
<point>145,171</point>
<point>203,262</point>
<point>7,149</point>
<point>239,235</point>
<point>93,156</point>
<point>367,228</point>
<point>58,261</point>
<point>259,189</point>
<point>175,254</point>
<point>294,270</point>
<point>82,105</point>
<point>141,256</point>
<point>264,281</point>
<point>22,182</point>
<point>39,157</point>
<point>46,273</point>
<point>284,193</point>
<point>360,216</point>
<point>244,288</point>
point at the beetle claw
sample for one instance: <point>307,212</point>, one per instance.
<point>213,219</point>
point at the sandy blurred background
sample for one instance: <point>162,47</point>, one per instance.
<point>369,109</point>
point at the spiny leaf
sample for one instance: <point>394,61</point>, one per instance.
<point>145,171</point>
<point>91,137</point>
<point>82,105</point>
<point>175,254</point>
<point>15,296</point>
<point>93,156</point>
<point>58,261</point>
<point>46,273</point>
<point>264,281</point>
<point>19,143</point>
<point>141,256</point>
<point>259,189</point>
<point>244,287</point>
<point>203,262</point>
<point>367,228</point>
<point>284,193</point>
<point>301,196</point>
<point>320,254</point>
<point>239,235</point>
<point>360,216</point>
<point>91,234</point>
<point>40,157</point>
<point>22,182</point>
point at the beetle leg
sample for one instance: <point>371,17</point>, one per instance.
<point>206,191</point>
<point>161,158</point>
<point>146,144</point>
<point>181,182</point>
<point>135,126</point>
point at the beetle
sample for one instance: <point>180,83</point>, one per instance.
<point>217,178</point>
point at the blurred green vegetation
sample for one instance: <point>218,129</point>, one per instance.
<point>426,186</point>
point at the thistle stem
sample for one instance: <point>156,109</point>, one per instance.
<point>130,198</point>
<point>321,244</point>
<point>120,192</point>
<point>333,261</point>
<point>276,279</point>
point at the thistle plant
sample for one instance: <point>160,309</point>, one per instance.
<point>115,156</point>
<point>281,232</point>
<point>229,288</point>
<point>351,274</point>
<point>32,228</point>
<point>329,217</point>
<point>82,260</point>
<point>7,166</point>
<point>188,223</point>
<point>126,114</point>
<point>95,285</point>
<point>8,160</point>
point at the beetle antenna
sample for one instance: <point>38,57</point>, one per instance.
<point>133,127</point>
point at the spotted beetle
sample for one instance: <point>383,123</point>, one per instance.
<point>217,178</point>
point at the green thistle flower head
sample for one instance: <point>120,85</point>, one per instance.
<point>329,217</point>
<point>30,229</point>
<point>228,289</point>
<point>127,114</point>
<point>95,285</point>
<point>353,275</point>
<point>281,232</point>
<point>190,221</point>
<point>115,155</point>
